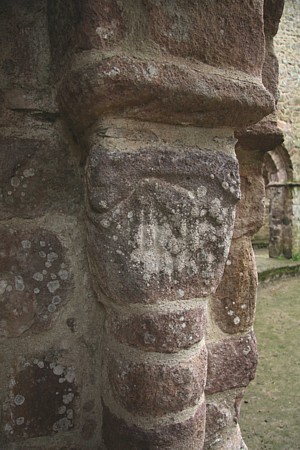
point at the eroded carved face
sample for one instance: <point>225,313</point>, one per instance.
<point>161,221</point>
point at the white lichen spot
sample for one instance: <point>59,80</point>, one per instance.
<point>15,181</point>
<point>67,398</point>
<point>19,400</point>
<point>56,300</point>
<point>48,264</point>
<point>36,291</point>
<point>62,409</point>
<point>26,243</point>
<point>38,276</point>
<point>42,254</point>
<point>243,306</point>
<point>228,262</point>
<point>151,71</point>
<point>51,308</point>
<point>20,420</point>
<point>42,243</point>
<point>103,204</point>
<point>53,286</point>
<point>53,276</point>
<point>19,283</point>
<point>113,72</point>
<point>180,293</point>
<point>23,194</point>
<point>225,185</point>
<point>247,350</point>
<point>58,369</point>
<point>105,223</point>
<point>52,256</point>
<point>230,312</point>
<point>70,375</point>
<point>63,274</point>
<point>28,173</point>
<point>201,191</point>
<point>130,215</point>
<point>236,320</point>
<point>62,424</point>
<point>115,238</point>
<point>70,414</point>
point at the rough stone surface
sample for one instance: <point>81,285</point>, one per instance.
<point>41,398</point>
<point>231,363</point>
<point>160,332</point>
<point>119,435</point>
<point>263,136</point>
<point>36,176</point>
<point>162,92</point>
<point>164,232</point>
<point>233,304</point>
<point>35,280</point>
<point>175,26</point>
<point>178,384</point>
<point>222,411</point>
<point>250,210</point>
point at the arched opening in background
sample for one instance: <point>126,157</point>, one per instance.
<point>277,231</point>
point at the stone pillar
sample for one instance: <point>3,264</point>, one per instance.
<point>153,92</point>
<point>232,352</point>
<point>160,205</point>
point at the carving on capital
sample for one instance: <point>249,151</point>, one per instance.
<point>161,221</point>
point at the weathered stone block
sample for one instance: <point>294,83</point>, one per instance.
<point>41,398</point>
<point>77,26</point>
<point>25,53</point>
<point>160,221</point>
<point>37,175</point>
<point>231,363</point>
<point>250,209</point>
<point>35,280</point>
<point>233,304</point>
<point>156,388</point>
<point>156,331</point>
<point>165,92</point>
<point>188,434</point>
<point>222,412</point>
<point>184,29</point>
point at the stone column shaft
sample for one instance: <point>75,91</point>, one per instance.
<point>161,213</point>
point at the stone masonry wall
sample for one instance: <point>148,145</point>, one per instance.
<point>127,277</point>
<point>287,47</point>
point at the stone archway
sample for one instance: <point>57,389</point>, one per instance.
<point>278,173</point>
<point>280,229</point>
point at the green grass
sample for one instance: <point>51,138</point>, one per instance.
<point>270,415</point>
